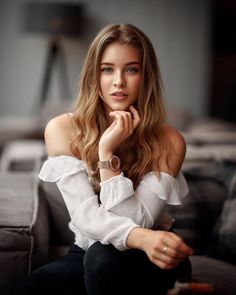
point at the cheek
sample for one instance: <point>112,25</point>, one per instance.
<point>104,83</point>
<point>136,84</point>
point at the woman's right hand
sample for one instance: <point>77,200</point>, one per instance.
<point>120,129</point>
<point>163,248</point>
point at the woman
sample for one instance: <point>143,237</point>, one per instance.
<point>117,164</point>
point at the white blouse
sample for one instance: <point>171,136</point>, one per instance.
<point>120,208</point>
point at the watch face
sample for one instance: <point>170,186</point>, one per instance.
<point>115,163</point>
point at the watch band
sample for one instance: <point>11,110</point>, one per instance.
<point>113,163</point>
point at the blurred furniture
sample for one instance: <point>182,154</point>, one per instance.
<point>24,228</point>
<point>223,60</point>
<point>18,128</point>
<point>22,155</point>
<point>57,20</point>
<point>34,219</point>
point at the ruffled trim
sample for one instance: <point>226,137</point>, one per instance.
<point>119,187</point>
<point>54,168</point>
<point>167,187</point>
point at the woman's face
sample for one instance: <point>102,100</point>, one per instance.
<point>120,76</point>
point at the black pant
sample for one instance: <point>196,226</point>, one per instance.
<point>103,270</point>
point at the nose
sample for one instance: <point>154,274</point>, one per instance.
<point>119,80</point>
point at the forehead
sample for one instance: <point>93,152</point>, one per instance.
<point>121,53</point>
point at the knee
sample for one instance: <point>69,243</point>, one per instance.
<point>45,280</point>
<point>101,258</point>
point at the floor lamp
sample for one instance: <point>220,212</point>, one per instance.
<point>56,20</point>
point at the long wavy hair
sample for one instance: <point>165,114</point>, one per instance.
<point>142,148</point>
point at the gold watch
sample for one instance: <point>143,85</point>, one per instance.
<point>113,163</point>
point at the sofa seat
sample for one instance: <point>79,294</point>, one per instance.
<point>218,271</point>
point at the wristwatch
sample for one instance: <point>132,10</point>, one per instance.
<point>113,163</point>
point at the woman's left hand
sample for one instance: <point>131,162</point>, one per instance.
<point>165,249</point>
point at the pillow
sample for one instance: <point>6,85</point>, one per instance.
<point>196,217</point>
<point>223,244</point>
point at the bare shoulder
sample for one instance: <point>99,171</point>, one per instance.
<point>58,134</point>
<point>175,147</point>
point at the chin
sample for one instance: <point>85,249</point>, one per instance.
<point>120,108</point>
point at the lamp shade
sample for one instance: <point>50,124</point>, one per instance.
<point>53,18</point>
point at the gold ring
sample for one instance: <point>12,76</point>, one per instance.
<point>164,249</point>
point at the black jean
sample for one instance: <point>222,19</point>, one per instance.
<point>103,270</point>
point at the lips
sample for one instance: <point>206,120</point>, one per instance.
<point>119,94</point>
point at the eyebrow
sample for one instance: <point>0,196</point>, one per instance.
<point>127,64</point>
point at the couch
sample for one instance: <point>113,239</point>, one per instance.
<point>34,219</point>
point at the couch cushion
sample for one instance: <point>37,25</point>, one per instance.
<point>196,217</point>
<point>223,244</point>
<point>60,234</point>
<point>206,219</point>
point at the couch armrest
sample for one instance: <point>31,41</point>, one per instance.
<point>24,227</point>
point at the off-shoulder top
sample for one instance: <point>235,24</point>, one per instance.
<point>120,209</point>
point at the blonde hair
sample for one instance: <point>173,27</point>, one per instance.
<point>141,149</point>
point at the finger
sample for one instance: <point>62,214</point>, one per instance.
<point>177,244</point>
<point>129,117</point>
<point>130,122</point>
<point>174,255</point>
<point>183,247</point>
<point>136,117</point>
<point>169,256</point>
<point>168,260</point>
<point>119,119</point>
<point>127,121</point>
<point>164,265</point>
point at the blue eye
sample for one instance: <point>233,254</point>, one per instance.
<point>107,70</point>
<point>132,70</point>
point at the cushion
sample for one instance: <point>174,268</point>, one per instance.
<point>60,234</point>
<point>223,244</point>
<point>196,217</point>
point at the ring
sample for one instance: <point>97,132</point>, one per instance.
<point>164,249</point>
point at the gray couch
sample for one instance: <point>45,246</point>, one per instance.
<point>206,220</point>
<point>34,219</point>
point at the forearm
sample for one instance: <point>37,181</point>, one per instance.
<point>143,205</point>
<point>146,203</point>
<point>90,218</point>
<point>98,224</point>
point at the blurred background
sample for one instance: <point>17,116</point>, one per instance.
<point>41,58</point>
<point>42,49</point>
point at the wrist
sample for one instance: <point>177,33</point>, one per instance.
<point>104,155</point>
<point>137,238</point>
<point>113,163</point>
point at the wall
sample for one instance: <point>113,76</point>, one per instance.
<point>179,30</point>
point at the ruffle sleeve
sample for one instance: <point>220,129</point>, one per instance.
<point>146,203</point>
<point>115,190</point>
<point>55,168</point>
<point>167,187</point>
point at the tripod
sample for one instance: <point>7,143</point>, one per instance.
<point>55,55</point>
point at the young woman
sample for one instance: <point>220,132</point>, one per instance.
<point>117,164</point>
